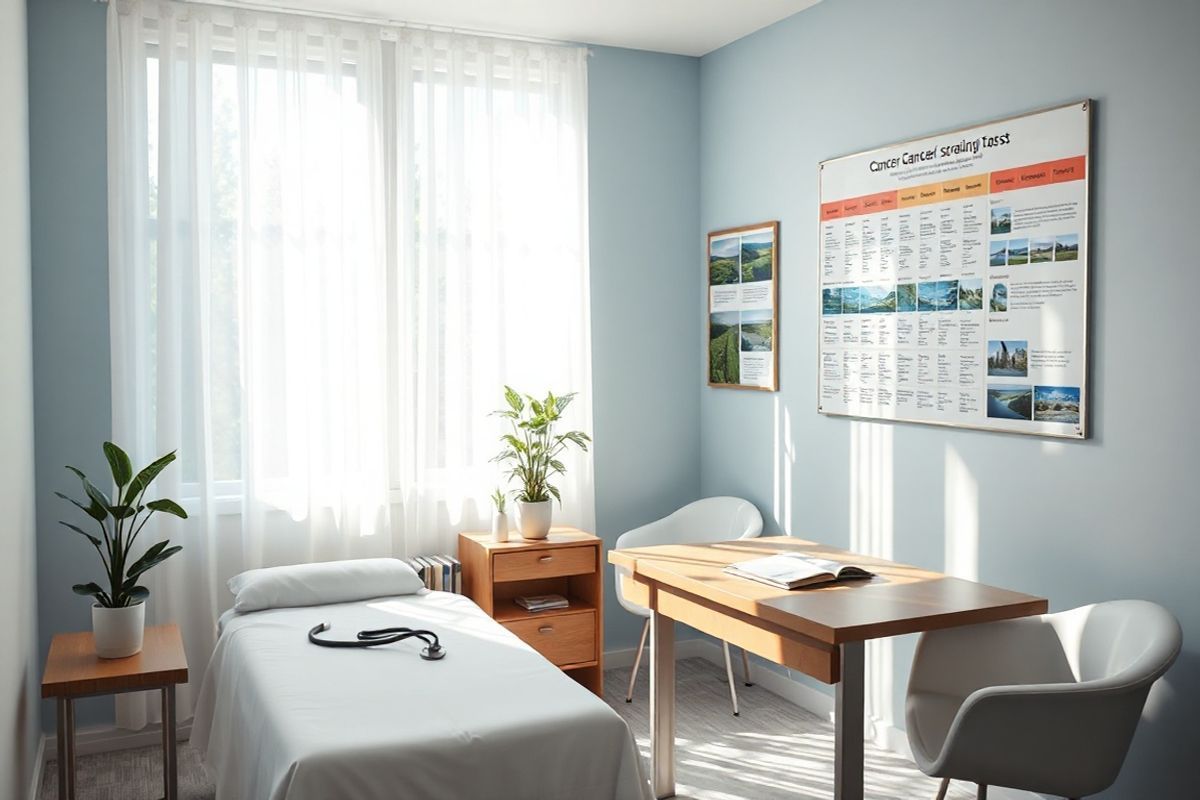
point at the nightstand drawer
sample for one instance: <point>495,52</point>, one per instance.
<point>532,564</point>
<point>563,639</point>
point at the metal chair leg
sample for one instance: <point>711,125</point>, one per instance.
<point>941,795</point>
<point>746,667</point>
<point>637,660</point>
<point>729,675</point>
<point>982,795</point>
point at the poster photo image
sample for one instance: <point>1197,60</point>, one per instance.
<point>743,295</point>
<point>952,277</point>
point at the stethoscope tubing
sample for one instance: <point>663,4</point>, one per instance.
<point>432,651</point>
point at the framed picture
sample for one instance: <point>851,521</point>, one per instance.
<point>743,307</point>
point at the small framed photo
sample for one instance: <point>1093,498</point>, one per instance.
<point>743,307</point>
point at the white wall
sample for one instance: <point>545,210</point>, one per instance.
<point>19,728</point>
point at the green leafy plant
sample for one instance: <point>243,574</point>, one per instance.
<point>500,500</point>
<point>120,520</point>
<point>532,448</point>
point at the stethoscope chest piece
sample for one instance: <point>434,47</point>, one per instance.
<point>433,652</point>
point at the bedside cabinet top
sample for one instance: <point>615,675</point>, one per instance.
<point>560,536</point>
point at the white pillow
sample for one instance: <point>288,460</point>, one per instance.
<point>318,584</point>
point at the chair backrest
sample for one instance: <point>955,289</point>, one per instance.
<point>713,519</point>
<point>1130,642</point>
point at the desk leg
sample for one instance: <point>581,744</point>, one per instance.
<point>848,722</point>
<point>662,704</point>
<point>170,748</point>
<point>66,748</point>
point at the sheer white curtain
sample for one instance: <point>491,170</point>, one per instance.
<point>331,245</point>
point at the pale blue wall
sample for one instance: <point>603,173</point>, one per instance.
<point>1115,516</point>
<point>644,202</point>
<point>71,379</point>
<point>644,150</point>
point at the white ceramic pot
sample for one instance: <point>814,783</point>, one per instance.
<point>499,527</point>
<point>534,519</point>
<point>118,631</point>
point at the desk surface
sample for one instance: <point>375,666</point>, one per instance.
<point>900,599</point>
<point>73,669</point>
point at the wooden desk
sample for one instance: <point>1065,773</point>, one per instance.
<point>73,670</point>
<point>819,631</point>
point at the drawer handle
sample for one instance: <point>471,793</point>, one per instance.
<point>546,559</point>
<point>546,629</point>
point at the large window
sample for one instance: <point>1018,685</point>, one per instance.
<point>333,245</point>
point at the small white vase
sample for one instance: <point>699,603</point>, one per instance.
<point>533,519</point>
<point>118,631</point>
<point>499,527</point>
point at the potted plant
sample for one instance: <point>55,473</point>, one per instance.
<point>119,610</point>
<point>499,518</point>
<point>532,450</point>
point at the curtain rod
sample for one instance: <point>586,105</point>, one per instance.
<point>362,20</point>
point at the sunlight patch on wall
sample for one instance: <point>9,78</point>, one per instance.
<point>872,532</point>
<point>961,518</point>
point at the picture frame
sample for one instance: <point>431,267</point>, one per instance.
<point>742,274</point>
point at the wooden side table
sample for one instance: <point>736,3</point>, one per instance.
<point>567,562</point>
<point>73,670</point>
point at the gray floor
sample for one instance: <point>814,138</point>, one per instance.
<point>773,750</point>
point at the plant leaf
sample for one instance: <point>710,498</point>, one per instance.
<point>148,562</point>
<point>514,400</point>
<point>97,497</point>
<point>137,594</point>
<point>167,506</point>
<point>144,478</point>
<point>118,462</point>
<point>87,589</point>
<point>94,511</point>
<point>82,532</point>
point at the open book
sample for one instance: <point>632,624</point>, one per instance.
<point>795,571</point>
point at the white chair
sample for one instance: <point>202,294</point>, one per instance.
<point>713,519</point>
<point>1046,704</point>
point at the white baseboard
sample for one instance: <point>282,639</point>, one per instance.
<point>109,738</point>
<point>887,737</point>
<point>39,764</point>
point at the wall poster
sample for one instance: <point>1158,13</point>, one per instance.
<point>953,277</point>
<point>743,294</point>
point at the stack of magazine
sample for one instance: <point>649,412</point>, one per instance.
<point>541,602</point>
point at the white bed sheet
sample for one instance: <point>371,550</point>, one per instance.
<point>280,718</point>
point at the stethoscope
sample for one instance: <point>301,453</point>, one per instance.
<point>432,651</point>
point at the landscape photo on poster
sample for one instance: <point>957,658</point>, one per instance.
<point>757,256</point>
<point>998,256</point>
<point>1018,252</point>
<point>1007,401</point>
<point>876,299</point>
<point>1066,247</point>
<point>723,347</point>
<point>999,301</point>
<point>970,294</point>
<point>1008,358</point>
<point>831,301</point>
<point>1056,404</point>
<point>724,262</point>
<point>757,329</point>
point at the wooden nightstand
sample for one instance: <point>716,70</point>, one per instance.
<point>74,670</point>
<point>568,562</point>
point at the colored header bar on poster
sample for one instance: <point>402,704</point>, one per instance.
<point>1043,174</point>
